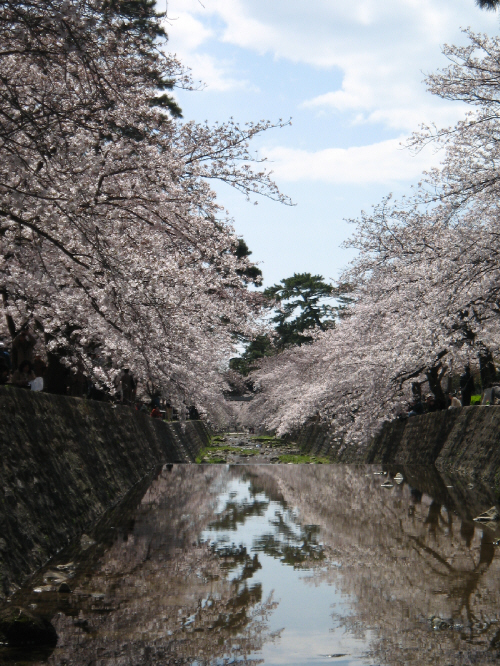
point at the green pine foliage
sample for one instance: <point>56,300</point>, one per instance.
<point>140,17</point>
<point>488,4</point>
<point>256,350</point>
<point>304,303</point>
<point>250,273</point>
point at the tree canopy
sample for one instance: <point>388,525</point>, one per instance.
<point>113,244</point>
<point>256,349</point>
<point>488,4</point>
<point>425,279</point>
<point>303,302</point>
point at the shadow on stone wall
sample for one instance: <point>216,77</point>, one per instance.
<point>464,441</point>
<point>64,462</point>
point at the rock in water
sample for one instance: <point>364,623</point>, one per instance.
<point>86,541</point>
<point>20,627</point>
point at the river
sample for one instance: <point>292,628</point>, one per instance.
<point>278,564</point>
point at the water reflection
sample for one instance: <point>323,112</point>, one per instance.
<point>280,565</point>
<point>425,579</point>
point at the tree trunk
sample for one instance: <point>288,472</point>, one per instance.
<point>435,387</point>
<point>10,322</point>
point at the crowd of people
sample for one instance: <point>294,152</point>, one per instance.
<point>22,368</point>
<point>465,397</point>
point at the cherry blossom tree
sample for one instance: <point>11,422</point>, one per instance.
<point>426,278</point>
<point>487,4</point>
<point>113,244</point>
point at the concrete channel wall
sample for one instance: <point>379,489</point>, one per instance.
<point>64,462</point>
<point>464,441</point>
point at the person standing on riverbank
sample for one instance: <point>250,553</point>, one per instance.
<point>467,386</point>
<point>128,386</point>
<point>155,413</point>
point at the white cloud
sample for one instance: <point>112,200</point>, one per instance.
<point>187,37</point>
<point>354,95</point>
<point>380,47</point>
<point>185,31</point>
<point>358,83</point>
<point>212,73</point>
<point>384,163</point>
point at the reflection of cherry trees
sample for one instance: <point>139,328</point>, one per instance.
<point>236,513</point>
<point>286,538</point>
<point>425,581</point>
<point>174,585</point>
<point>296,547</point>
<point>157,595</point>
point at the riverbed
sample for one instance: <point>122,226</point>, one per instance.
<point>278,564</point>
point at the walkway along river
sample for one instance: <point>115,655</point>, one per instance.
<point>277,564</point>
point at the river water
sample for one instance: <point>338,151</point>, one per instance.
<point>278,564</point>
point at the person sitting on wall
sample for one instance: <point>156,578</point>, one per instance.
<point>455,402</point>
<point>416,408</point>
<point>78,385</point>
<point>39,369</point>
<point>491,395</point>
<point>37,383</point>
<point>128,386</point>
<point>5,356</point>
<point>430,403</point>
<point>495,394</point>
<point>4,373</point>
<point>193,414</point>
<point>155,413</point>
<point>23,375</point>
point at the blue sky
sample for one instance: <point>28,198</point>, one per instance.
<point>349,73</point>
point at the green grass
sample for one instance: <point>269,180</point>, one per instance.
<point>302,459</point>
<point>213,450</point>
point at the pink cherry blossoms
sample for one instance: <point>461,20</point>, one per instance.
<point>113,246</point>
<point>426,279</point>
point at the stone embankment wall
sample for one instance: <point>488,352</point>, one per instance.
<point>465,441</point>
<point>64,462</point>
